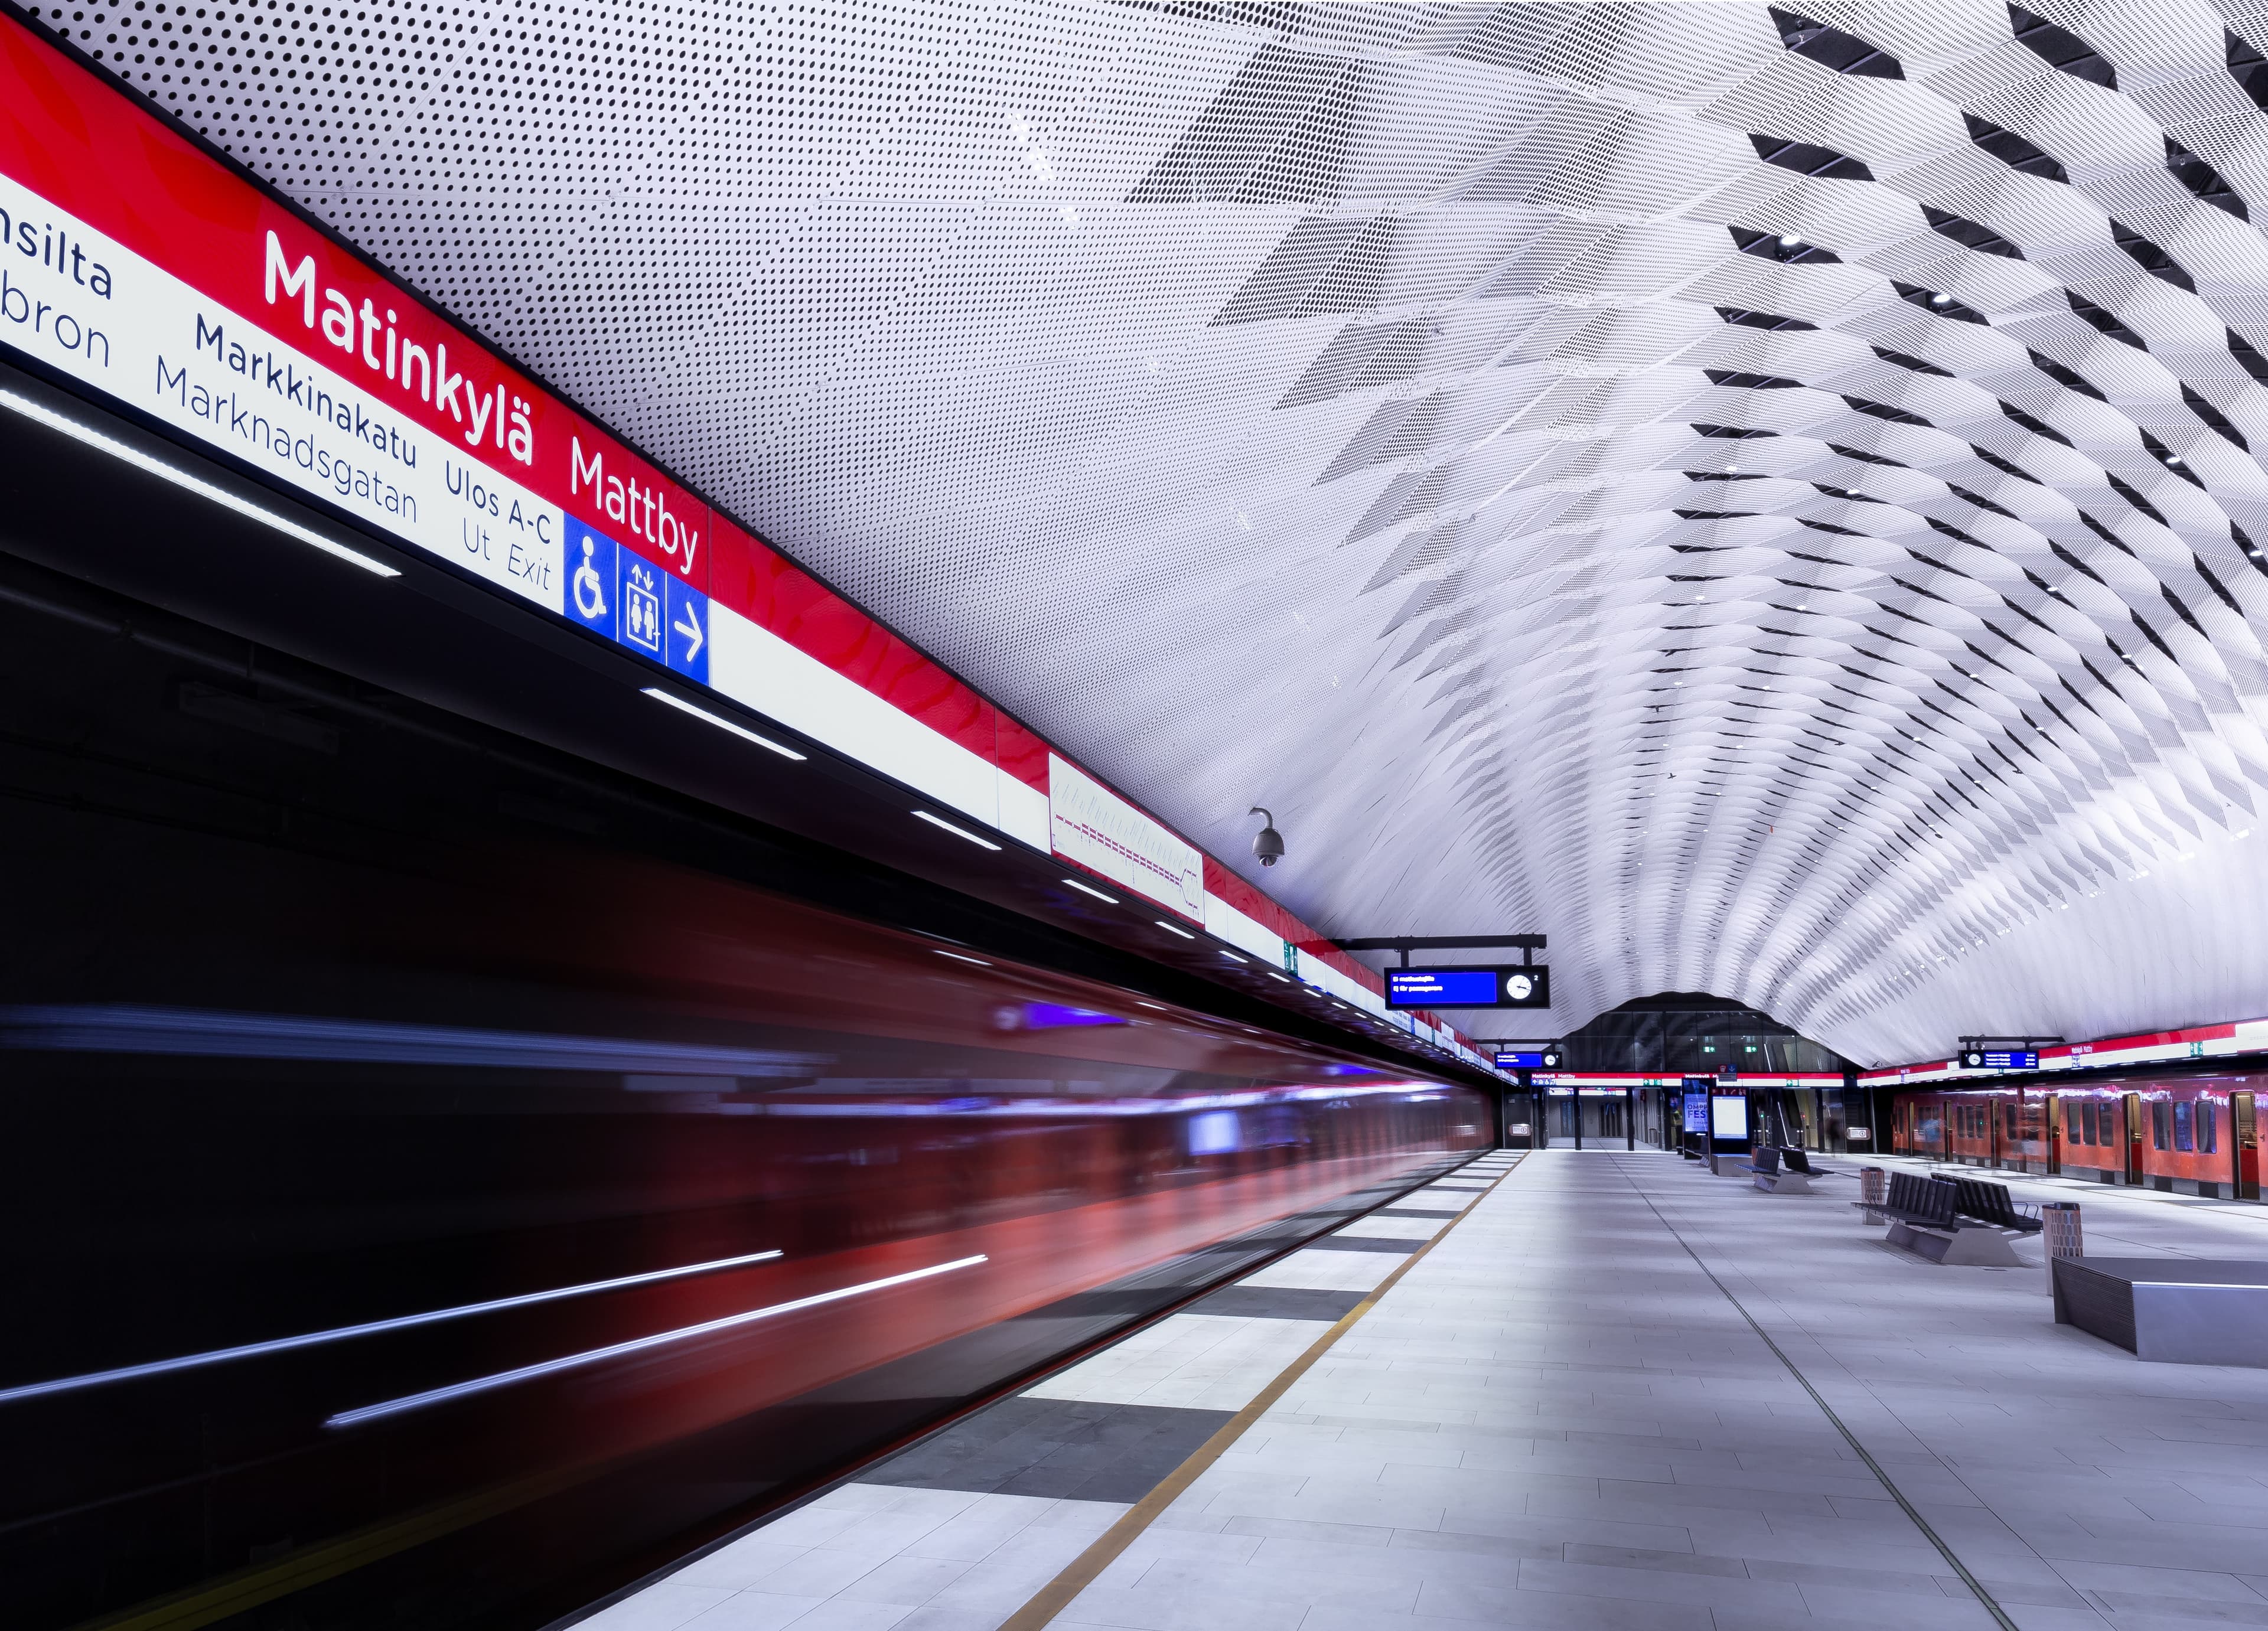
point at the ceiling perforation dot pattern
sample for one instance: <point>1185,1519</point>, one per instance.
<point>1765,494</point>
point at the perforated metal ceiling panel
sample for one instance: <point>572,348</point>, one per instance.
<point>1766,497</point>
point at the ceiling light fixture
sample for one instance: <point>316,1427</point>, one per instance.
<point>958,832</point>
<point>1172,929</point>
<point>91,438</point>
<point>720,722</point>
<point>1097,893</point>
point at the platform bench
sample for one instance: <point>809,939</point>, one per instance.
<point>1990,1204</point>
<point>1923,1216</point>
<point>1773,1177</point>
<point>1794,1158</point>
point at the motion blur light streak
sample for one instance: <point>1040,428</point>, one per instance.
<point>722,723</point>
<point>182,478</point>
<point>285,1344</point>
<point>103,1028</point>
<point>599,1355</point>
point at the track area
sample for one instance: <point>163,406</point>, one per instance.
<point>439,1192</point>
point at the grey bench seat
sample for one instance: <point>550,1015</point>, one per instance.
<point>1924,1218</point>
<point>1774,1175</point>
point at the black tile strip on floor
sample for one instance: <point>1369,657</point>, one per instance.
<point>1409,1211</point>
<point>1278,1302</point>
<point>1056,1449</point>
<point>1364,1243</point>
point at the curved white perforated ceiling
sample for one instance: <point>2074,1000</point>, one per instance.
<point>1765,503</point>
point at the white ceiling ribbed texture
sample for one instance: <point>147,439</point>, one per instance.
<point>1763,498</point>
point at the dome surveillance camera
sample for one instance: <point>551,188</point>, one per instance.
<point>1267,843</point>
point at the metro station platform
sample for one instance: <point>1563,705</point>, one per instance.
<point>1612,1391</point>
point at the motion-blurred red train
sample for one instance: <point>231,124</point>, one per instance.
<point>481,1265</point>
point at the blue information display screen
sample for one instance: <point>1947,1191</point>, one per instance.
<point>1470,986</point>
<point>1531,1059</point>
<point>2002,1059</point>
<point>1441,987</point>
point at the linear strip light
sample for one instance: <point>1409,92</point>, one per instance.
<point>181,478</point>
<point>958,832</point>
<point>636,1345</point>
<point>284,1345</point>
<point>959,957</point>
<point>1172,929</point>
<point>1097,893</point>
<point>721,723</point>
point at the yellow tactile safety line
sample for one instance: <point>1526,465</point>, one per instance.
<point>1081,1572</point>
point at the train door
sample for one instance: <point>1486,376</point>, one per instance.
<point>2051,1134</point>
<point>2132,1104</point>
<point>2244,1151</point>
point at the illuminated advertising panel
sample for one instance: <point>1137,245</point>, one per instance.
<point>1728,1116</point>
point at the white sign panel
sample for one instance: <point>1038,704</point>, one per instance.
<point>145,337</point>
<point>1091,825</point>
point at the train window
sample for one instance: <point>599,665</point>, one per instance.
<point>2160,1124</point>
<point>2208,1126</point>
<point>2087,1122</point>
<point>2184,1126</point>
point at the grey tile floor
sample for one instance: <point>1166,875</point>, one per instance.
<point>1555,1419</point>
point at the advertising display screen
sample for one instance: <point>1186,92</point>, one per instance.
<point>1696,1112</point>
<point>1728,1116</point>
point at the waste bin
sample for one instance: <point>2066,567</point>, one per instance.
<point>1873,1186</point>
<point>2059,1235</point>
